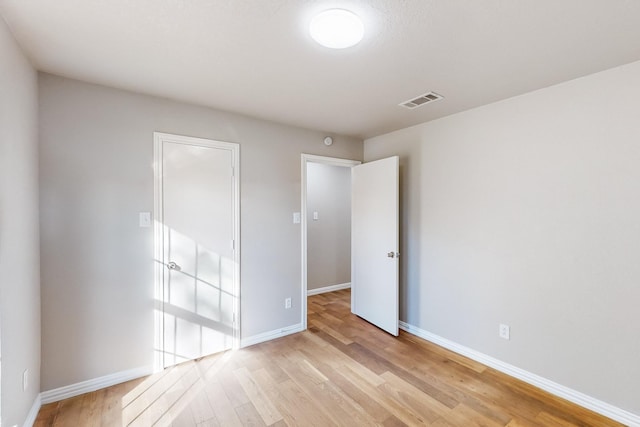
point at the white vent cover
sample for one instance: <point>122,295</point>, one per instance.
<point>421,100</point>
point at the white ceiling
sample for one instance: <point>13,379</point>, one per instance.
<point>255,56</point>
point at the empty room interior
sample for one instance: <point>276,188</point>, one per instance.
<point>282,212</point>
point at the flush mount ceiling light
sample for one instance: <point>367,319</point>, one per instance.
<point>336,28</point>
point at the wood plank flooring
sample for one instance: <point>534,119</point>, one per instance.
<point>342,371</point>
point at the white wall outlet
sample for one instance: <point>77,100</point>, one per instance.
<point>287,303</point>
<point>505,331</point>
<point>25,380</point>
<point>296,217</point>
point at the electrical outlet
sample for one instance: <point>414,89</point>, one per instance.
<point>287,303</point>
<point>504,331</point>
<point>25,380</point>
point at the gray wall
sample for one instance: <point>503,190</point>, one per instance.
<point>328,238</point>
<point>19,247</point>
<point>527,212</point>
<point>96,175</point>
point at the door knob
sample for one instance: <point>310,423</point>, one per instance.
<point>173,266</point>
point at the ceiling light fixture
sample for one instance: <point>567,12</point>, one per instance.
<point>336,28</point>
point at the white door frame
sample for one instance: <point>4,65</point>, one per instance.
<point>158,241</point>
<point>306,159</point>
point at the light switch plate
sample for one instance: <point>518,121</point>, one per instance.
<point>296,217</point>
<point>145,219</point>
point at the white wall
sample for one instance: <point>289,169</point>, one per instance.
<point>527,212</point>
<point>96,175</point>
<point>19,247</point>
<point>329,237</point>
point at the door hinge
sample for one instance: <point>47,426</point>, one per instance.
<point>233,245</point>
<point>233,171</point>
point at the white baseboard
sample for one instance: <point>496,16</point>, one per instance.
<point>559,390</point>
<point>94,384</point>
<point>330,288</point>
<point>33,413</point>
<point>267,336</point>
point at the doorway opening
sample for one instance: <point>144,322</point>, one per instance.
<point>326,226</point>
<point>197,248</point>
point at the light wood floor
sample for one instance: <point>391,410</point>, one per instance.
<point>342,371</point>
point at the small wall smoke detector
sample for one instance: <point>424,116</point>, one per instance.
<point>421,100</point>
<point>328,141</point>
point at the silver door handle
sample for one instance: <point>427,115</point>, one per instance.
<point>173,266</point>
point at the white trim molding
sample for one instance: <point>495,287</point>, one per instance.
<point>33,412</point>
<point>88,386</point>
<point>271,335</point>
<point>329,288</point>
<point>556,389</point>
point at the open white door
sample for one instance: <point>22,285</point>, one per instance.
<point>375,242</point>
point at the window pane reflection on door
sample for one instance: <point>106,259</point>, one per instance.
<point>198,312</point>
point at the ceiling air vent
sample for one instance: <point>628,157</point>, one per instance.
<point>421,100</point>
